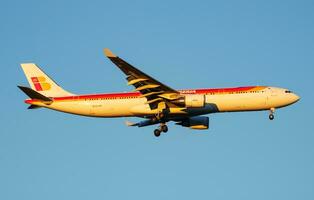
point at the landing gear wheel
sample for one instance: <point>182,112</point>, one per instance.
<point>157,132</point>
<point>164,128</point>
<point>271,117</point>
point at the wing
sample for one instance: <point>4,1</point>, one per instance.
<point>153,90</point>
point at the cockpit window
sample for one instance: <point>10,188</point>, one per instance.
<point>288,91</point>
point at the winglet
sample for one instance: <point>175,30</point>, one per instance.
<point>108,53</point>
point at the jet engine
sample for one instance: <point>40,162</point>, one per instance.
<point>198,122</point>
<point>191,101</point>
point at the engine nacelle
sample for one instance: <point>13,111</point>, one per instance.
<point>199,123</point>
<point>191,101</point>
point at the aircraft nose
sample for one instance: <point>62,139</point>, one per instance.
<point>295,98</point>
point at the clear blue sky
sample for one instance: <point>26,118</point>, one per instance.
<point>198,44</point>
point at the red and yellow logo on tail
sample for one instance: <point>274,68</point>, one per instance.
<point>40,83</point>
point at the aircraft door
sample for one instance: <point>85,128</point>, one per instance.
<point>273,92</point>
<point>270,96</point>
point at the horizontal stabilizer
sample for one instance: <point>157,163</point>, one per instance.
<point>35,95</point>
<point>128,123</point>
<point>142,123</point>
<point>33,107</point>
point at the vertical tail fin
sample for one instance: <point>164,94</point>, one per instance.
<point>41,82</point>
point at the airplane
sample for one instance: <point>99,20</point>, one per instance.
<point>152,100</point>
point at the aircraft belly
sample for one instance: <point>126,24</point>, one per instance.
<point>73,107</point>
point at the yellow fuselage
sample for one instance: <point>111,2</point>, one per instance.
<point>132,104</point>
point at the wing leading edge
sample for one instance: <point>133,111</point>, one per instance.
<point>156,93</point>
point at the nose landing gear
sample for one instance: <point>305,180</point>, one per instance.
<point>271,114</point>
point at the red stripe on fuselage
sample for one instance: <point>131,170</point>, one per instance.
<point>137,94</point>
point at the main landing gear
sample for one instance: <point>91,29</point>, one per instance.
<point>161,117</point>
<point>271,114</point>
<point>162,128</point>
